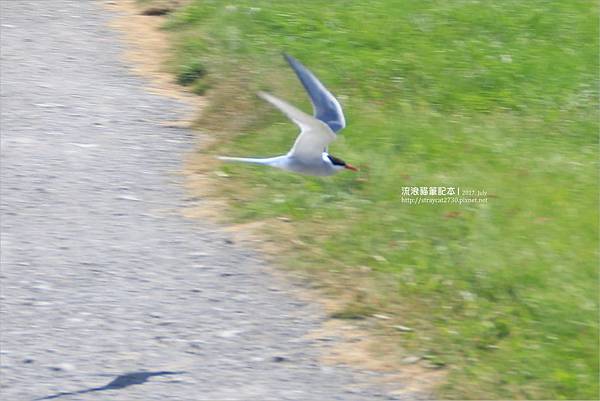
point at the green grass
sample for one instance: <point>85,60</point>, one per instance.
<point>495,96</point>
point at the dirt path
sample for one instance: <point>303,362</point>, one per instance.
<point>106,289</point>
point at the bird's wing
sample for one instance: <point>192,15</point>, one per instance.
<point>314,135</point>
<point>325,106</point>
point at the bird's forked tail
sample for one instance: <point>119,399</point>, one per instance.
<point>271,161</point>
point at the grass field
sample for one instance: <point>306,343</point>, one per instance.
<point>498,97</point>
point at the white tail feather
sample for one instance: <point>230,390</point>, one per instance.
<point>271,161</point>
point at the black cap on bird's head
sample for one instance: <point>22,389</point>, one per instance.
<point>339,162</point>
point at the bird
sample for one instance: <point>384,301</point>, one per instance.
<point>309,155</point>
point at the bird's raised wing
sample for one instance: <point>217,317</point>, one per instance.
<point>314,136</point>
<point>325,106</point>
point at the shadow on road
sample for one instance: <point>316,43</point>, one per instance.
<point>122,381</point>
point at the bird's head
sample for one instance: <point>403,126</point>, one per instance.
<point>339,164</point>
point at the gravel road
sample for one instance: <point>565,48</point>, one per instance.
<point>107,291</point>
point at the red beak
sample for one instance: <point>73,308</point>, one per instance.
<point>350,167</point>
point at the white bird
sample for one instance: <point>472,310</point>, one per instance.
<point>309,154</point>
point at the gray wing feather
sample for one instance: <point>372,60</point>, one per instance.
<point>325,105</point>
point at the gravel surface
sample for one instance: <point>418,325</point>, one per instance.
<point>107,291</point>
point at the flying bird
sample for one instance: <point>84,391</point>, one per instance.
<point>309,154</point>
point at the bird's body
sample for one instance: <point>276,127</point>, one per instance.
<point>323,167</point>
<point>309,154</point>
